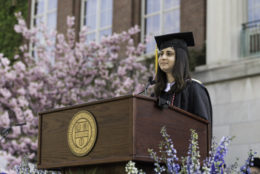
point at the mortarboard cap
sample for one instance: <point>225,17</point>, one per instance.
<point>176,40</point>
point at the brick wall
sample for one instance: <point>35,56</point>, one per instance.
<point>126,14</point>
<point>193,18</point>
<point>68,8</point>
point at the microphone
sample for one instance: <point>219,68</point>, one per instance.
<point>151,81</point>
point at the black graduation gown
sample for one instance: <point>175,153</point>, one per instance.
<point>194,98</point>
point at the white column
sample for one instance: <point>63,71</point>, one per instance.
<point>224,24</point>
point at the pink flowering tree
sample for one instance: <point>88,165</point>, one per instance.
<point>61,71</point>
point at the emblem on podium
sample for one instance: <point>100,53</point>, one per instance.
<point>82,133</point>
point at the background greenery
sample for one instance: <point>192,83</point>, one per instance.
<point>9,39</point>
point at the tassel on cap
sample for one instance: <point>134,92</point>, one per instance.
<point>156,60</point>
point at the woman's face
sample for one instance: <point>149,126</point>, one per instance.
<point>167,59</point>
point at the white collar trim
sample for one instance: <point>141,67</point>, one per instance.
<point>168,86</point>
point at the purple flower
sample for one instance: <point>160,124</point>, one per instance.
<point>245,169</point>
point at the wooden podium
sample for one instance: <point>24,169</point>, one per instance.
<point>126,127</point>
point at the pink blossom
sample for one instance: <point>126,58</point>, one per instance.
<point>22,101</point>
<point>70,21</point>
<point>66,72</point>
<point>128,82</point>
<point>33,88</point>
<point>34,145</point>
<point>21,91</point>
<point>29,115</point>
<point>31,156</point>
<point>11,75</point>
<point>18,28</point>
<point>5,93</point>
<point>4,120</point>
<point>19,66</point>
<point>13,102</point>
<point>16,131</point>
<point>5,61</point>
<point>121,71</point>
<point>13,161</point>
<point>16,56</point>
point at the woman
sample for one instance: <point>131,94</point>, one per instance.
<point>174,85</point>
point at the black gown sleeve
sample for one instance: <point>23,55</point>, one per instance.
<point>201,104</point>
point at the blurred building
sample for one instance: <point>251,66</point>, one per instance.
<point>104,17</point>
<point>232,72</point>
<point>230,29</point>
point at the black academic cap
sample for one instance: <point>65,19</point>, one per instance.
<point>175,40</point>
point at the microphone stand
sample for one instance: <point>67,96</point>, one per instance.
<point>161,103</point>
<point>150,82</point>
<point>6,131</point>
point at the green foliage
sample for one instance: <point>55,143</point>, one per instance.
<point>9,39</point>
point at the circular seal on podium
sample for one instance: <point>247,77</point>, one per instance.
<point>82,133</point>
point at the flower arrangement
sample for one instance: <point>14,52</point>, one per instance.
<point>168,162</point>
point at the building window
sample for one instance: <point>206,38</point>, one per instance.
<point>159,17</point>
<point>250,38</point>
<point>253,10</point>
<point>45,12</point>
<point>97,16</point>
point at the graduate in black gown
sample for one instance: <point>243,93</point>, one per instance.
<point>174,86</point>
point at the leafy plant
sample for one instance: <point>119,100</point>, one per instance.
<point>9,39</point>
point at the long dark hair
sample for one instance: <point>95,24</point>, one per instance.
<point>180,73</point>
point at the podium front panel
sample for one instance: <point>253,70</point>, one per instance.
<point>114,135</point>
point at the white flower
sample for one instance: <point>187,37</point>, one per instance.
<point>130,168</point>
